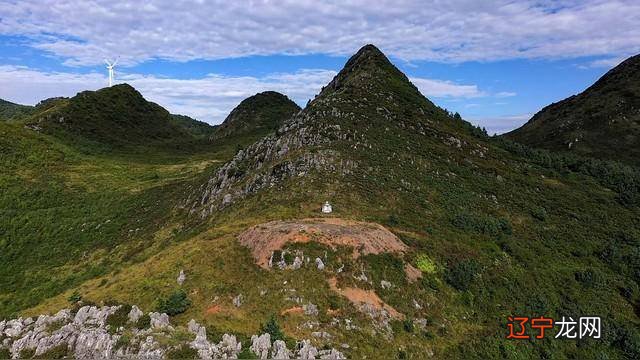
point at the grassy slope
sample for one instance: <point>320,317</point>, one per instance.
<point>66,211</point>
<point>569,248</point>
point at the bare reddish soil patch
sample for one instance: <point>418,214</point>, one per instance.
<point>412,273</point>
<point>360,296</point>
<point>213,309</point>
<point>365,238</point>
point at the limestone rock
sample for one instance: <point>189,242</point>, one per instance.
<point>238,300</point>
<point>280,350</point>
<point>297,263</point>
<point>319,264</point>
<point>181,277</point>
<point>159,320</point>
<point>229,347</point>
<point>135,314</point>
<point>310,309</point>
<point>260,345</point>
<point>306,350</point>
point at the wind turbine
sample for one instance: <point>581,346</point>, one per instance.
<point>110,66</point>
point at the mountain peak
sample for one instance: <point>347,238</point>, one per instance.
<point>258,115</point>
<point>367,52</point>
<point>367,69</point>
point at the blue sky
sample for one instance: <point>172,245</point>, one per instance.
<point>495,62</point>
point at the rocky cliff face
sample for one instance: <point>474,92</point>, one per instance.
<point>88,334</point>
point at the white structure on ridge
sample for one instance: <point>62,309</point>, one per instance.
<point>326,208</point>
<point>110,66</point>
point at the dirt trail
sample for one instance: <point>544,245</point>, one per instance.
<point>365,238</point>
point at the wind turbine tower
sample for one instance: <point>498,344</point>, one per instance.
<point>110,66</point>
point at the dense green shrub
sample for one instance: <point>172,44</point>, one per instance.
<point>174,304</point>
<point>588,277</point>
<point>426,265</point>
<point>75,297</point>
<point>623,179</point>
<point>144,322</point>
<point>539,213</point>
<point>461,274</point>
<point>272,328</point>
<point>482,224</point>
<point>119,318</point>
<point>407,325</point>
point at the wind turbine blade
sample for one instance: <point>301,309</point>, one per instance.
<point>115,62</point>
<point>107,62</point>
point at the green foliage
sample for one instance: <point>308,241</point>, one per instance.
<point>623,179</point>
<point>11,112</point>
<point>183,352</point>
<point>426,265</point>
<point>392,220</point>
<point>144,322</point>
<point>174,304</point>
<point>588,277</point>
<point>5,354</point>
<point>74,297</point>
<point>539,213</point>
<point>246,353</point>
<point>272,328</point>
<point>27,353</point>
<point>198,129</point>
<point>461,274</point>
<point>118,319</point>
<point>257,115</point>
<point>123,341</point>
<point>407,325</point>
<point>482,224</point>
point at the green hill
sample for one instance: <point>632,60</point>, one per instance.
<point>438,232</point>
<point>11,111</point>
<point>111,118</point>
<point>257,115</point>
<point>602,122</point>
<point>198,129</point>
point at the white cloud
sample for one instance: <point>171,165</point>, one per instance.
<point>441,89</point>
<point>84,32</point>
<point>604,63</point>
<point>500,124</point>
<point>504,94</point>
<point>209,98</point>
